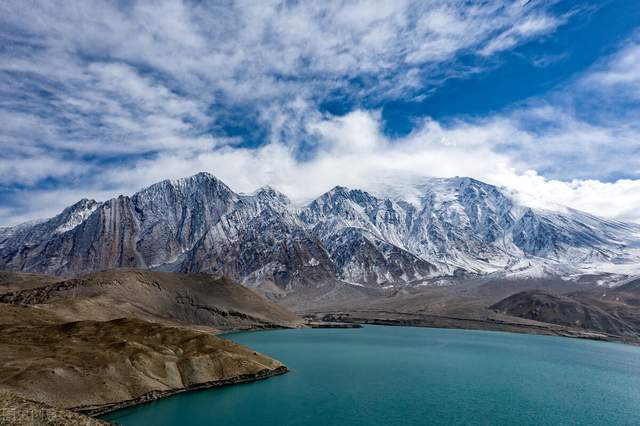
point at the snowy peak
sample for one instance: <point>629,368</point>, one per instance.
<point>76,214</point>
<point>339,195</point>
<point>198,224</point>
<point>350,204</point>
<point>268,194</point>
<point>199,185</point>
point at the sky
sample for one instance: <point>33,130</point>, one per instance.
<point>101,98</point>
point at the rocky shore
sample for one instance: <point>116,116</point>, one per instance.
<point>332,324</point>
<point>155,395</point>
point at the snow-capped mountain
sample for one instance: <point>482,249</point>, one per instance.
<point>198,224</point>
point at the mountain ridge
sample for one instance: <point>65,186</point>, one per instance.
<point>199,224</point>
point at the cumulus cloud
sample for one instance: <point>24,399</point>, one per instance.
<point>616,200</point>
<point>354,152</point>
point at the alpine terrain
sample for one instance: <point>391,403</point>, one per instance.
<point>346,238</point>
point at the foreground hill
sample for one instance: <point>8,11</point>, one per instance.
<point>19,411</point>
<point>115,338</point>
<point>95,366</point>
<point>450,227</point>
<point>195,300</point>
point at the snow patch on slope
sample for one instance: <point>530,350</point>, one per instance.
<point>76,218</point>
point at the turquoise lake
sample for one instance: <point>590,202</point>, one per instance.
<point>417,376</point>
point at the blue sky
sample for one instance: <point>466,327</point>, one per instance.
<point>103,98</point>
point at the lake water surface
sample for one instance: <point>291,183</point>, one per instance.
<point>416,376</point>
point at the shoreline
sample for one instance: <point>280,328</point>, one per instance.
<point>100,410</point>
<point>346,321</point>
<point>434,321</point>
<point>221,332</point>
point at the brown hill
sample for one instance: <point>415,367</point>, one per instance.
<point>87,343</point>
<point>27,315</point>
<point>195,300</point>
<point>15,281</point>
<point>93,366</point>
<point>19,411</point>
<point>622,301</point>
<point>473,302</point>
<point>567,310</point>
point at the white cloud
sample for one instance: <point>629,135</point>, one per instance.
<point>131,87</point>
<point>354,152</point>
<point>240,47</point>
<point>42,204</point>
<point>526,29</point>
<point>620,74</point>
<point>100,79</point>
<point>617,200</point>
<point>29,170</point>
<point>105,67</point>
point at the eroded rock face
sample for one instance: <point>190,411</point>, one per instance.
<point>198,224</point>
<point>93,366</point>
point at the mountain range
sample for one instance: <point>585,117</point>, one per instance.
<point>457,227</point>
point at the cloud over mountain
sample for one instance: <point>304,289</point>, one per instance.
<point>102,98</point>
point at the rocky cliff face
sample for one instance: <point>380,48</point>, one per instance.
<point>198,224</point>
